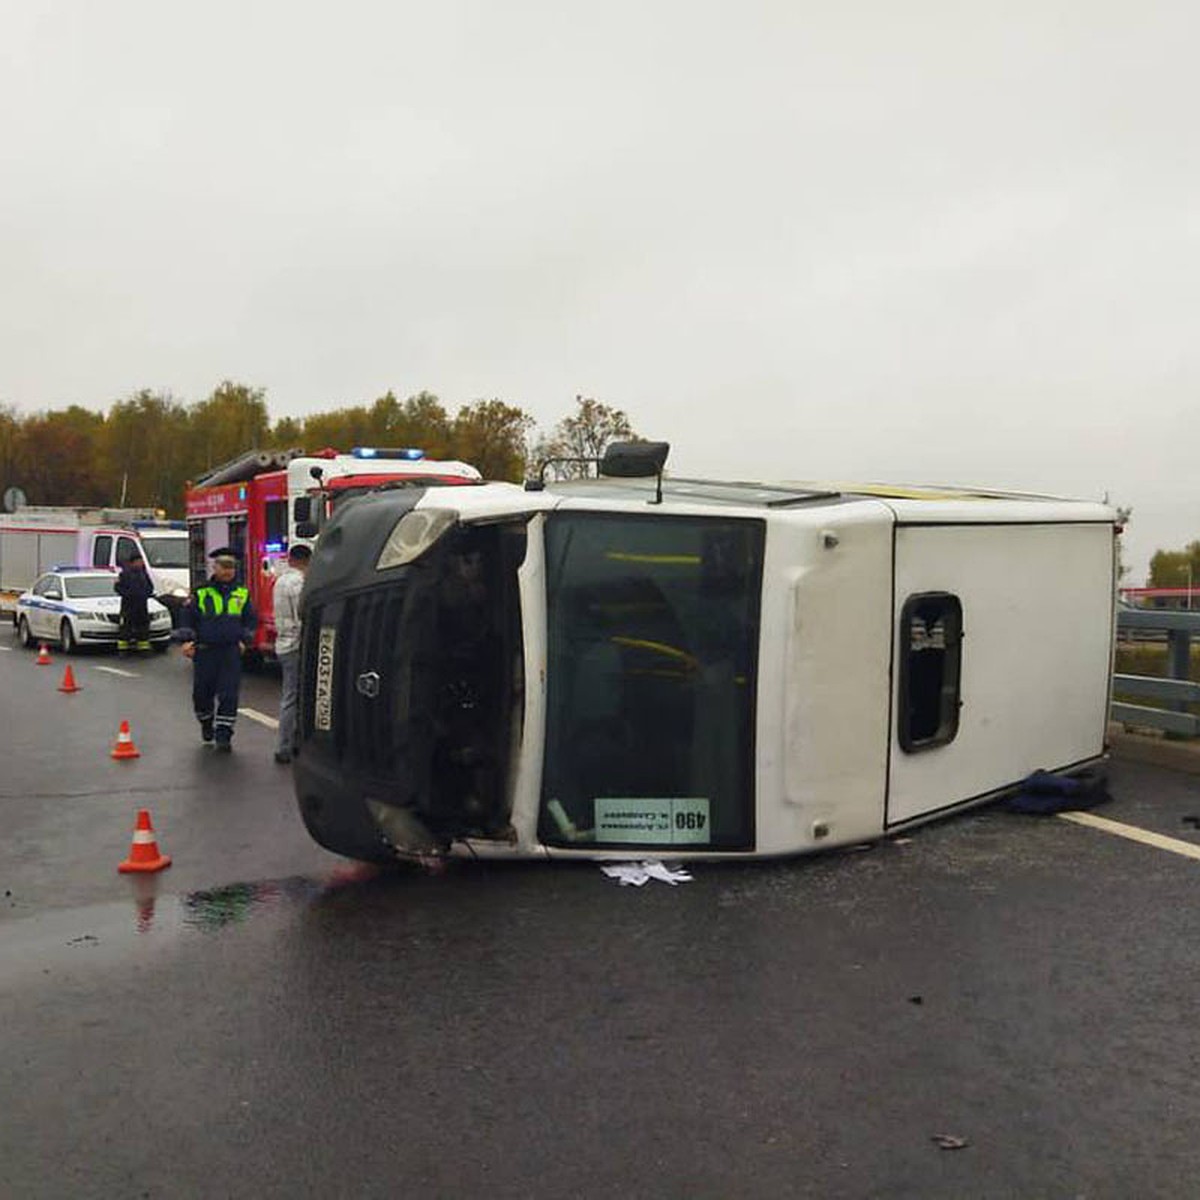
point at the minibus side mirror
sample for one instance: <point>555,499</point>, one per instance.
<point>302,510</point>
<point>634,460</point>
<point>306,529</point>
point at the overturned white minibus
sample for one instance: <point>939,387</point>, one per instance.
<point>630,665</point>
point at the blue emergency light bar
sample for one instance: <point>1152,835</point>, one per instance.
<point>411,453</point>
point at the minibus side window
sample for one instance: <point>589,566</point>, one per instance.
<point>930,670</point>
<point>101,550</point>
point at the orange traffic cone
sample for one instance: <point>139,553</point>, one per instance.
<point>43,658</point>
<point>125,747</point>
<point>144,853</point>
<point>68,684</point>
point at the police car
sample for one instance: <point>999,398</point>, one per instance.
<point>77,608</point>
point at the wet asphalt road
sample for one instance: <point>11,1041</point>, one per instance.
<point>264,1020</point>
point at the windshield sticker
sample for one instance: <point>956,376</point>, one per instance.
<point>323,706</point>
<point>661,821</point>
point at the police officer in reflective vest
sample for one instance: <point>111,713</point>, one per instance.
<point>220,620</point>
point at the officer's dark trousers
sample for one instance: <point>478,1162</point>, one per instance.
<point>215,682</point>
<point>135,623</point>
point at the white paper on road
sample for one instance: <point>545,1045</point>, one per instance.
<point>634,874</point>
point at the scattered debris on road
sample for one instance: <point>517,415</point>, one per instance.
<point>947,1141</point>
<point>637,873</point>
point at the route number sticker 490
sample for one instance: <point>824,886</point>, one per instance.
<point>659,821</point>
<point>323,700</point>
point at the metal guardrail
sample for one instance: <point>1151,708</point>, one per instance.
<point>1176,691</point>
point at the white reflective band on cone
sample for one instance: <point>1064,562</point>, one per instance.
<point>142,836</point>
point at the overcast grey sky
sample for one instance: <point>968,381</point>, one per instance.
<point>921,241</point>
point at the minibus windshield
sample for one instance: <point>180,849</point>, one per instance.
<point>652,629</point>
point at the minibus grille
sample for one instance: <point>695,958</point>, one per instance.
<point>363,729</point>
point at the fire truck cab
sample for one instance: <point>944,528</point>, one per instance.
<point>262,503</point>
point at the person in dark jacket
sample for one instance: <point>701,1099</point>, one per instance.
<point>218,624</point>
<point>135,587</point>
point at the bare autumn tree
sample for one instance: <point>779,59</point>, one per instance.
<point>585,433</point>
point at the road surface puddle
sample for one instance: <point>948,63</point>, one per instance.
<point>152,919</point>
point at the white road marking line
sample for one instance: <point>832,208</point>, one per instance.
<point>1134,834</point>
<point>261,718</point>
<point>6,649</point>
<point>118,671</point>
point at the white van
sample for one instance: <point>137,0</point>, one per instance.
<point>38,539</point>
<point>632,665</point>
<point>163,545</point>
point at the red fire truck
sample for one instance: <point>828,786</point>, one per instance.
<point>262,502</point>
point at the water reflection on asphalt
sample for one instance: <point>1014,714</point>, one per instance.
<point>61,939</point>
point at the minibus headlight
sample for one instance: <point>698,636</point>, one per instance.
<point>414,533</point>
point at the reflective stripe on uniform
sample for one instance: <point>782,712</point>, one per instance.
<point>237,601</point>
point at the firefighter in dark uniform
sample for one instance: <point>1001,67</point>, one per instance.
<point>135,587</point>
<point>218,625</point>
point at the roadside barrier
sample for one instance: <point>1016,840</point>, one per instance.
<point>124,747</point>
<point>144,854</point>
<point>68,684</point>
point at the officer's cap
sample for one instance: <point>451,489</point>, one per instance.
<point>225,552</point>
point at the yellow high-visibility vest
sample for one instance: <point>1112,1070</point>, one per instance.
<point>211,603</point>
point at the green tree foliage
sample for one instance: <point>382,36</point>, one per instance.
<point>145,449</point>
<point>420,421</point>
<point>148,453</point>
<point>1169,568</point>
<point>10,446</point>
<point>583,434</point>
<point>232,420</point>
<point>491,435</point>
<point>58,457</point>
<point>286,434</point>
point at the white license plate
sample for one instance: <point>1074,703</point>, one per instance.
<point>323,701</point>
